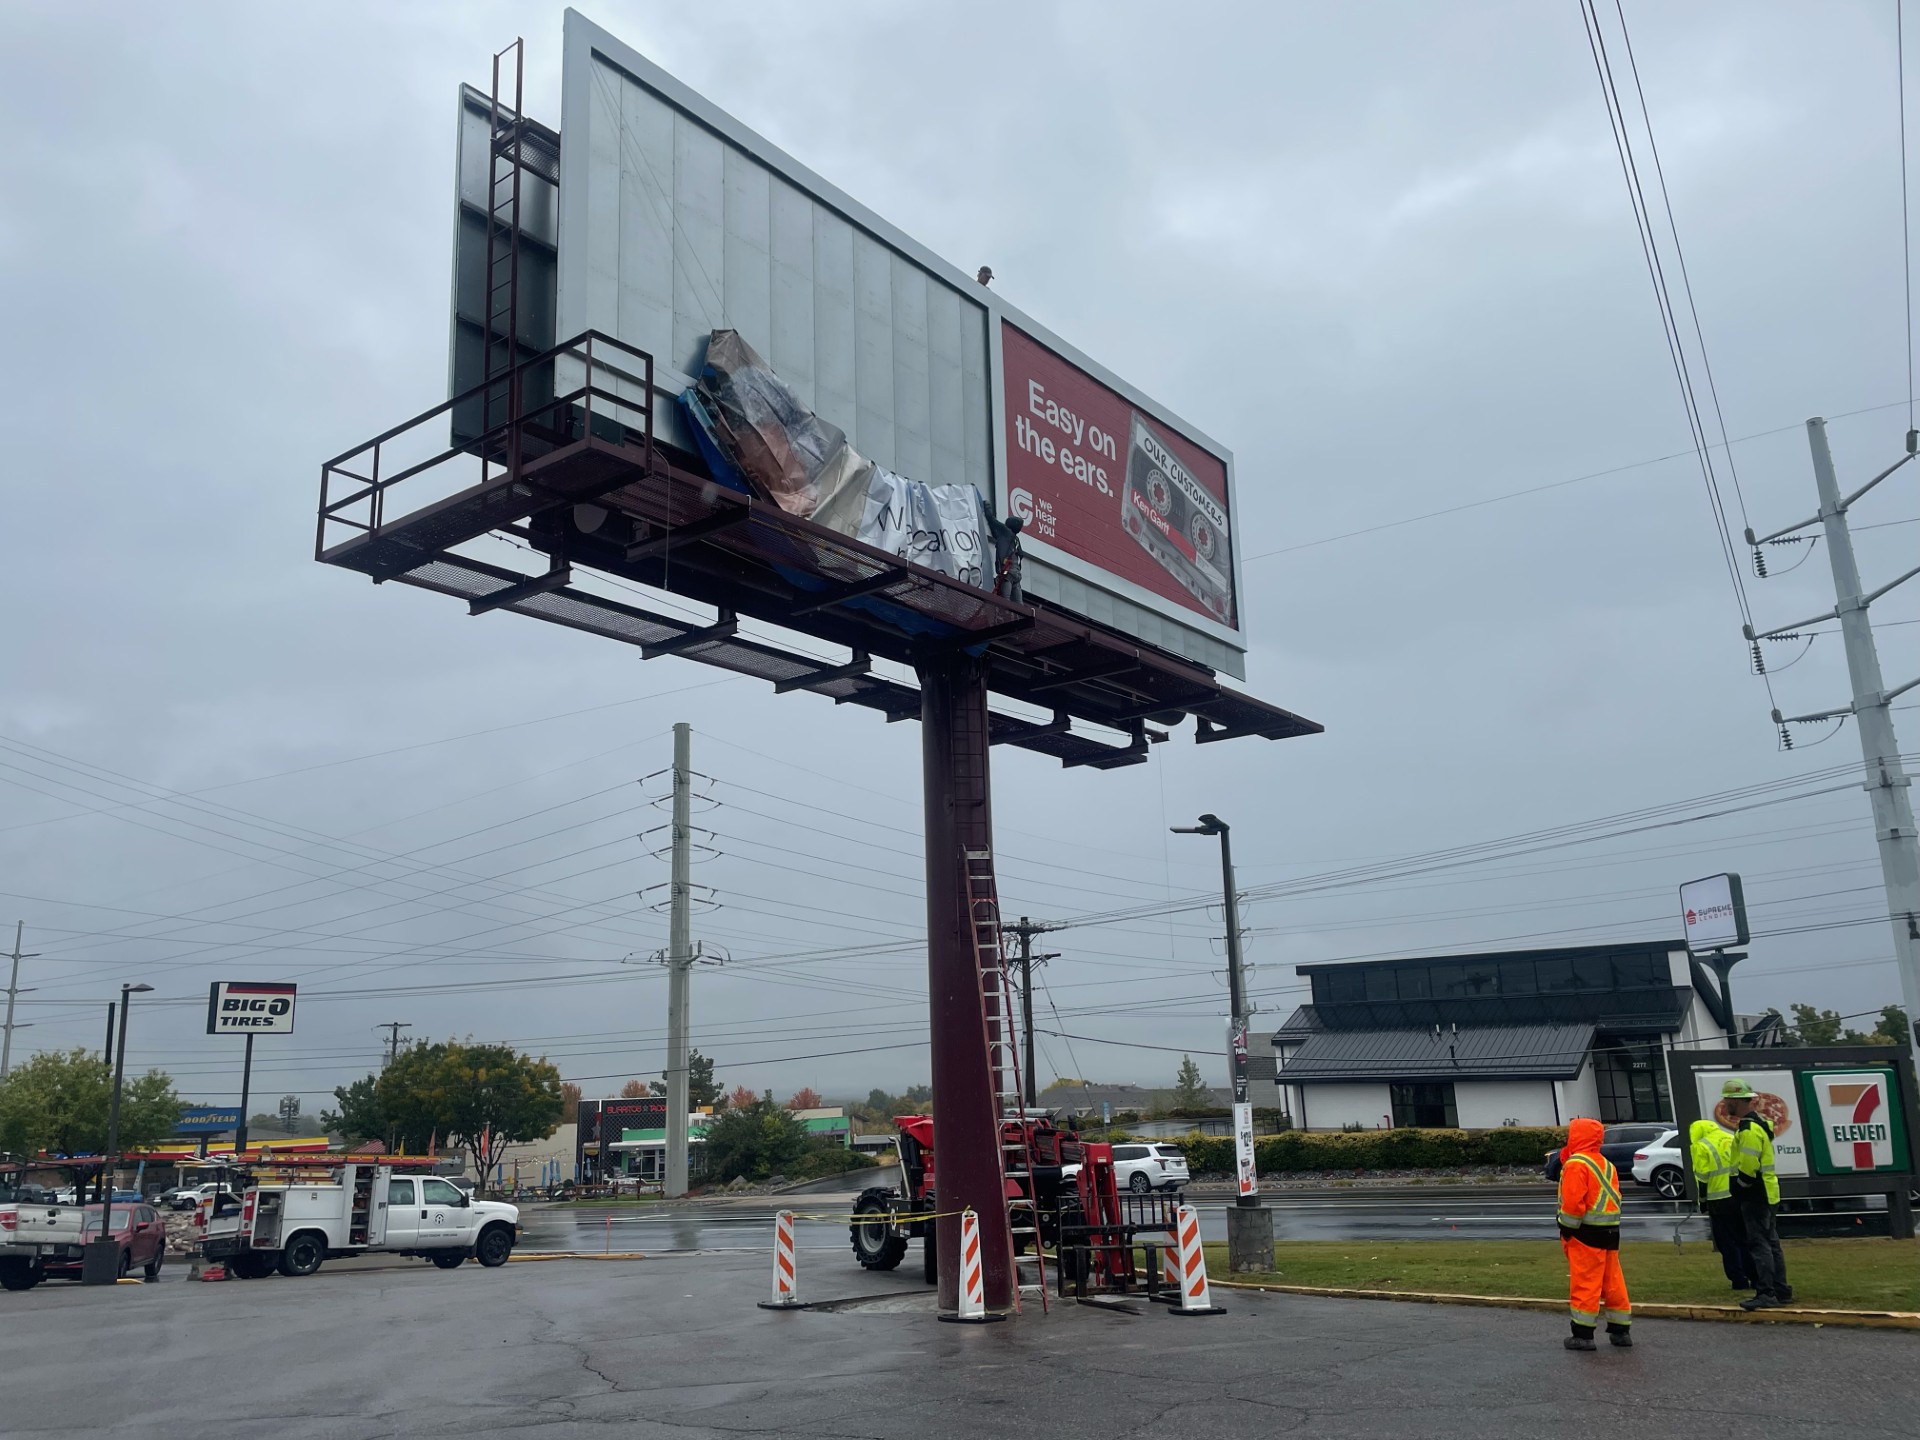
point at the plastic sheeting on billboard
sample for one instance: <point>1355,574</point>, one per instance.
<point>752,426</point>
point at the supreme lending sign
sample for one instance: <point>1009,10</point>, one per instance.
<point>1859,1126</point>
<point>250,1007</point>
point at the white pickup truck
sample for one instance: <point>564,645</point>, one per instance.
<point>36,1226</point>
<point>294,1226</point>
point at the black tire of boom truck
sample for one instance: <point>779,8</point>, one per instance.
<point>495,1246</point>
<point>875,1245</point>
<point>303,1254</point>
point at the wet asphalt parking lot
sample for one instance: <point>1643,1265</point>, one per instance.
<point>675,1346</point>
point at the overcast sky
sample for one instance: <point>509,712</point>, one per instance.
<point>1383,252</point>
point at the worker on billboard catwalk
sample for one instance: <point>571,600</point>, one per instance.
<point>1007,559</point>
<point>1756,1190</point>
<point>1710,1147</point>
<point>1590,1234</point>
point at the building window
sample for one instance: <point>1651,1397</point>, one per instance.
<point>1632,1081</point>
<point>1343,986</point>
<point>1556,976</point>
<point>1640,972</point>
<point>1380,984</point>
<point>1516,977</point>
<point>1426,1106</point>
<point>1413,983</point>
<point>1593,972</point>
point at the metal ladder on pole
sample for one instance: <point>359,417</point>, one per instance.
<point>500,330</point>
<point>1003,1062</point>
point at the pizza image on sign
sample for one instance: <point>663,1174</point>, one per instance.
<point>1766,1105</point>
<point>1774,1102</point>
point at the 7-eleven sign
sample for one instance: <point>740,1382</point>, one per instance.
<point>1856,1128</point>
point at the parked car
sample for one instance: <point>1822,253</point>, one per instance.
<point>1617,1143</point>
<point>188,1197</point>
<point>1661,1165</point>
<point>1141,1168</point>
<point>143,1243</point>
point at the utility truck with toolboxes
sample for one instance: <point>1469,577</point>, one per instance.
<point>296,1216</point>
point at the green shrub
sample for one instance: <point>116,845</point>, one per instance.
<point>825,1158</point>
<point>1297,1151</point>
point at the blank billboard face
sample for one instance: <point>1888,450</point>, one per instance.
<point>671,231</point>
<point>675,220</point>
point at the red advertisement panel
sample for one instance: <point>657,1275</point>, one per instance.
<point>1094,477</point>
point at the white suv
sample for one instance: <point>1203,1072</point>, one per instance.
<point>1658,1164</point>
<point>1141,1168</point>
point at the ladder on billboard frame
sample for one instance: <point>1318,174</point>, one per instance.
<point>1017,1160</point>
<point>504,128</point>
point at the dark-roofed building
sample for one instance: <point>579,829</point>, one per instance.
<point>1526,1037</point>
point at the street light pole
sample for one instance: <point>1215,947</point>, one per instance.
<point>1236,984</point>
<point>1249,1223</point>
<point>112,1158</point>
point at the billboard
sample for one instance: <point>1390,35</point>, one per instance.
<point>250,1007</point>
<point>1856,1119</point>
<point>1715,912</point>
<point>1126,495</point>
<point>1777,1101</point>
<point>675,220</point>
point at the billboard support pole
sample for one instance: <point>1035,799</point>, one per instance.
<point>959,828</point>
<point>246,1083</point>
<point>679,962</point>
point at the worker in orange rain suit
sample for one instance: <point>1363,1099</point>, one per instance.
<point>1590,1234</point>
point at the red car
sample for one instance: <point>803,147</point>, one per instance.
<point>143,1243</point>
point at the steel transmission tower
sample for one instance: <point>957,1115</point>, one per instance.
<point>1885,779</point>
<point>679,960</point>
<point>13,990</point>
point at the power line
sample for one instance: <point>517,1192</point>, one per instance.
<point>1656,273</point>
<point>1562,484</point>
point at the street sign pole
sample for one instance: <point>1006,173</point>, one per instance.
<point>246,1082</point>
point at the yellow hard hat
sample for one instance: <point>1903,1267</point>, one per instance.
<point>1736,1090</point>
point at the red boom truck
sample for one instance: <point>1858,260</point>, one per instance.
<point>1061,1193</point>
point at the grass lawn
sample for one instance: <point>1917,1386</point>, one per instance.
<point>1828,1274</point>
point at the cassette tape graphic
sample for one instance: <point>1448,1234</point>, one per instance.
<point>1177,522</point>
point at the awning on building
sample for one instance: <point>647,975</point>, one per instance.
<point>1512,1052</point>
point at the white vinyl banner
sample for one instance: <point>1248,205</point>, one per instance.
<point>943,527</point>
<point>1774,1092</point>
<point>1249,1181</point>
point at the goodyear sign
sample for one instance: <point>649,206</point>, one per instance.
<point>206,1120</point>
<point>250,1007</point>
<point>1857,1125</point>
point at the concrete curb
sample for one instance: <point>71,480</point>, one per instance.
<point>1790,1315</point>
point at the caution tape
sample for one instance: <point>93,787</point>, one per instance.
<point>857,1216</point>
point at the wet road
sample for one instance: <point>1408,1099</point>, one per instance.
<point>662,1229</point>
